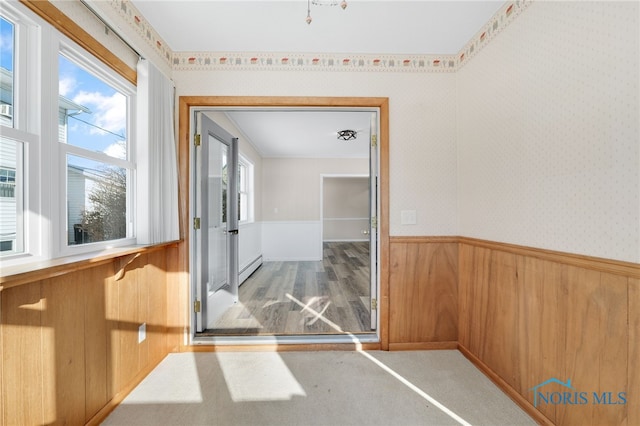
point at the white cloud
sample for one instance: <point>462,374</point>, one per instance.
<point>109,112</point>
<point>117,150</point>
<point>66,85</point>
<point>6,43</point>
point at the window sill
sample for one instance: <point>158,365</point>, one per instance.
<point>12,276</point>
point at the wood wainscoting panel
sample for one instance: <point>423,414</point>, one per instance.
<point>595,351</point>
<point>156,274</point>
<point>423,292</point>
<point>63,329</point>
<point>500,337</point>
<point>465,289</point>
<point>143,288</point>
<point>529,318</point>
<point>21,388</point>
<point>70,348</point>
<point>177,305</point>
<point>473,282</point>
<point>491,284</point>
<point>113,344</point>
<point>633,362</point>
<point>127,334</point>
<point>96,338</point>
<point>541,324</point>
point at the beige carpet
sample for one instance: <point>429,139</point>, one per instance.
<point>317,388</point>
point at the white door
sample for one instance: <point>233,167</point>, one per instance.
<point>373,214</point>
<point>216,222</point>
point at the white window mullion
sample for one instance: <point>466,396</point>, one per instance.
<point>97,156</point>
<point>51,180</point>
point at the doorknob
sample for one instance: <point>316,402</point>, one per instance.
<point>232,231</point>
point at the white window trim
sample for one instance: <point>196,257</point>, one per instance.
<point>84,59</point>
<point>26,130</point>
<point>250,188</point>
<point>38,46</point>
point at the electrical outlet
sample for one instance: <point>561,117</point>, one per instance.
<point>142,332</point>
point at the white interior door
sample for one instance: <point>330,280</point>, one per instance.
<point>216,236</point>
<point>373,209</point>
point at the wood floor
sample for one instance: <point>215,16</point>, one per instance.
<point>325,297</point>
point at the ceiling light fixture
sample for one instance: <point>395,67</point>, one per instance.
<point>347,135</point>
<point>343,5</point>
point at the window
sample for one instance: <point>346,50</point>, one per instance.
<point>66,168</point>
<point>7,43</point>
<point>245,189</point>
<point>92,131</point>
<point>14,136</point>
<point>10,198</point>
<point>8,182</point>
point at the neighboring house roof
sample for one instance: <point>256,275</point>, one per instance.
<point>69,105</point>
<point>6,86</point>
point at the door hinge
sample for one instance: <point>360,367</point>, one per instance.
<point>196,223</point>
<point>374,304</point>
<point>196,140</point>
<point>374,140</point>
<point>374,222</point>
<point>196,306</point>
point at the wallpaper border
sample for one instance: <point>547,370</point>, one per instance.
<point>283,61</point>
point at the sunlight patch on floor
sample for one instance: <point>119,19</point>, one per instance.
<point>393,373</point>
<point>258,377</point>
<point>181,384</point>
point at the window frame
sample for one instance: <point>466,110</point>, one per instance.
<point>244,162</point>
<point>83,59</point>
<point>24,131</point>
<point>36,50</point>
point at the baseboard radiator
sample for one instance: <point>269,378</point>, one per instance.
<point>250,268</point>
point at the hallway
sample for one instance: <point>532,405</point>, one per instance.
<point>284,297</point>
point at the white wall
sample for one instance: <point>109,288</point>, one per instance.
<point>422,129</point>
<point>291,187</point>
<point>291,240</point>
<point>345,208</point>
<point>548,134</point>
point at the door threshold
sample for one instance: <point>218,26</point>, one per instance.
<point>286,340</point>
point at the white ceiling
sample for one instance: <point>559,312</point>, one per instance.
<point>376,27</point>
<point>367,27</point>
<point>311,133</point>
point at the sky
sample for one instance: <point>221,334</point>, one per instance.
<point>97,125</point>
<point>104,128</point>
<point>6,45</point>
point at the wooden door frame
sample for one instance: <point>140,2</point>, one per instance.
<point>188,102</point>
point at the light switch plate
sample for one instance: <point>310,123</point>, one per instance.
<point>408,217</point>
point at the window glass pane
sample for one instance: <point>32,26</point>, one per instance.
<point>91,114</point>
<point>96,201</point>
<point>242,189</point>
<point>243,207</point>
<point>11,230</point>
<point>7,38</point>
